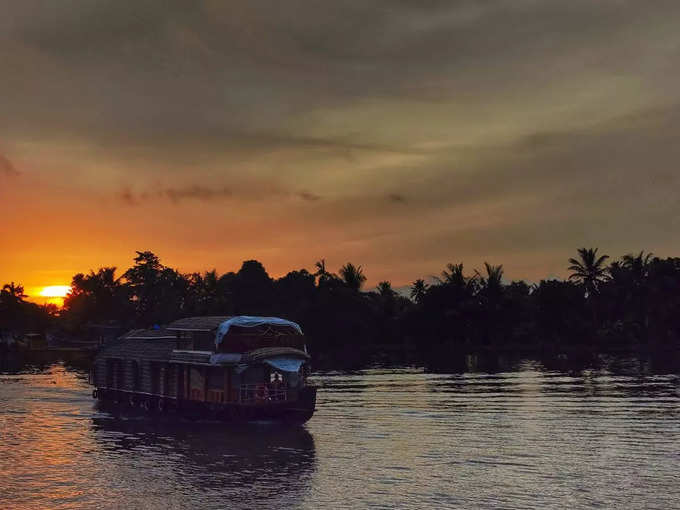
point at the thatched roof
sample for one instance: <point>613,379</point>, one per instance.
<point>149,334</point>
<point>197,323</point>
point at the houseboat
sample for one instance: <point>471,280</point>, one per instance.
<point>240,368</point>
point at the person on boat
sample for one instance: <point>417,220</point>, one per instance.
<point>276,383</point>
<point>262,392</point>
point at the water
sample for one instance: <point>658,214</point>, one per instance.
<point>525,438</point>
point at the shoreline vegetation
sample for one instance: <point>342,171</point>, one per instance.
<point>631,304</point>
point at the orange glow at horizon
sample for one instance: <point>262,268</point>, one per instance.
<point>55,291</point>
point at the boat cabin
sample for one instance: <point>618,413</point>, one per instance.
<point>243,360</point>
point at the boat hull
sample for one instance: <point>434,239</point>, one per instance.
<point>289,412</point>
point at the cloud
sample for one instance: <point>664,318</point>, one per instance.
<point>175,195</point>
<point>508,127</point>
<point>197,193</point>
<point>6,166</point>
<point>127,196</point>
<point>203,193</point>
<point>310,197</point>
<point>165,70</point>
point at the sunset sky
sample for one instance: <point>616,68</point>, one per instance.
<point>399,135</point>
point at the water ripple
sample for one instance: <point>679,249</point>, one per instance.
<point>531,438</point>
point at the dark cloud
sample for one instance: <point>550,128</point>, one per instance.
<point>197,193</point>
<point>310,197</point>
<point>175,195</point>
<point>202,193</point>
<point>507,126</point>
<point>127,196</point>
<point>174,69</point>
<point>6,166</point>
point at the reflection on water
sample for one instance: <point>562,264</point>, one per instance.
<point>603,433</point>
<point>219,463</point>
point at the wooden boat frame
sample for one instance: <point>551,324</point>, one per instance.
<point>179,370</point>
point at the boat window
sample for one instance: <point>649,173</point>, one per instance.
<point>110,367</point>
<point>181,383</point>
<point>197,381</point>
<point>118,374</point>
<point>155,378</point>
<point>165,377</point>
<point>135,375</point>
<point>215,385</point>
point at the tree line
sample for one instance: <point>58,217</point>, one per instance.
<point>629,302</point>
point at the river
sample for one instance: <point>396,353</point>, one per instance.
<point>526,437</point>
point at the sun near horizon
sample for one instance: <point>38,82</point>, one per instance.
<point>54,294</point>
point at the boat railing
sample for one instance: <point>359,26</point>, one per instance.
<point>261,394</point>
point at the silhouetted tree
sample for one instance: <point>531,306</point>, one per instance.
<point>634,300</point>
<point>253,290</point>
<point>295,293</point>
<point>13,293</point>
<point>418,290</point>
<point>589,270</point>
<point>385,289</point>
<point>18,316</point>
<point>492,281</point>
<point>96,297</point>
<point>353,276</point>
<point>561,311</point>
<point>453,275</point>
<point>159,293</point>
<point>492,323</point>
<point>638,264</point>
<point>321,273</point>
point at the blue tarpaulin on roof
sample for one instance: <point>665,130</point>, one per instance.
<point>248,321</point>
<point>285,363</point>
<point>225,358</point>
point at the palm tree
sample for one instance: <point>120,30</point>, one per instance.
<point>353,276</point>
<point>385,289</point>
<point>14,293</point>
<point>638,264</point>
<point>321,274</point>
<point>418,290</point>
<point>320,267</point>
<point>590,270</point>
<point>453,275</point>
<point>493,279</point>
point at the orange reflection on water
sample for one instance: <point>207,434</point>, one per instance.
<point>43,459</point>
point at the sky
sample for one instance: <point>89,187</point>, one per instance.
<point>398,135</point>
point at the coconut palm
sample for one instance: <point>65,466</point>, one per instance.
<point>493,280</point>
<point>385,289</point>
<point>353,276</point>
<point>638,264</point>
<point>589,270</point>
<point>13,293</point>
<point>453,275</point>
<point>418,290</point>
<point>320,267</point>
<point>321,274</point>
